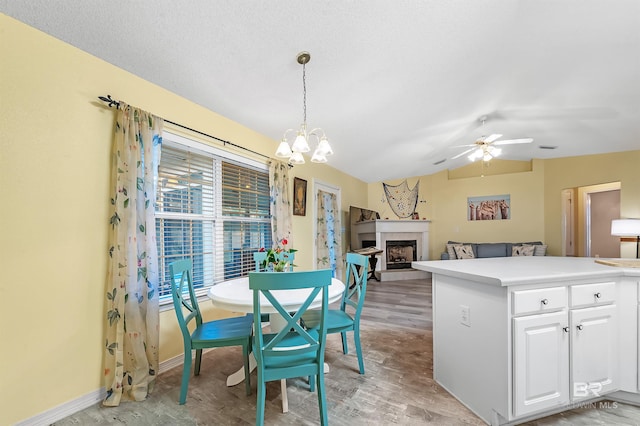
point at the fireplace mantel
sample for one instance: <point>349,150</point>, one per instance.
<point>380,231</point>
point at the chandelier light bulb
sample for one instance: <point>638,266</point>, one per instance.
<point>324,146</point>
<point>301,144</point>
<point>296,158</point>
<point>318,157</point>
<point>284,151</point>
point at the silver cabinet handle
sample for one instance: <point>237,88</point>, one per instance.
<point>566,329</point>
<point>544,301</point>
<point>598,295</point>
<point>579,327</point>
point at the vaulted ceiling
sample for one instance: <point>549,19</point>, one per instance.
<point>397,86</point>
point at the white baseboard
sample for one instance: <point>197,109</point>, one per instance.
<point>66,409</point>
<point>92,398</point>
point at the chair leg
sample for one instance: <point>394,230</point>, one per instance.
<point>285,397</point>
<point>312,383</point>
<point>356,338</point>
<point>260,401</point>
<point>247,371</point>
<point>345,348</point>
<point>186,372</point>
<point>196,369</point>
<point>322,402</point>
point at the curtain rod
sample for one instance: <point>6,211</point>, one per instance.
<point>113,102</point>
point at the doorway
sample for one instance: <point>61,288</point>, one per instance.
<point>327,250</point>
<point>600,205</point>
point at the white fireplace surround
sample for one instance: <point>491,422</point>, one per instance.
<point>382,230</point>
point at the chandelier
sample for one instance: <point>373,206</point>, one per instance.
<point>302,136</point>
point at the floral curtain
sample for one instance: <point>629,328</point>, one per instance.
<point>132,318</point>
<point>281,224</point>
<point>329,237</point>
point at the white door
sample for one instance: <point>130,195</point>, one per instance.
<point>594,368</point>
<point>540,362</point>
<point>603,208</point>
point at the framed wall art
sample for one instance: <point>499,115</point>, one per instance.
<point>490,207</point>
<point>299,197</point>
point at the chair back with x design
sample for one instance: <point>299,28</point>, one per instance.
<point>292,351</point>
<point>235,331</point>
<point>356,279</point>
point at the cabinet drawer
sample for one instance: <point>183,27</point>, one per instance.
<point>593,294</point>
<point>539,300</point>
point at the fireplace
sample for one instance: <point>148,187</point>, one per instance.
<point>400,253</point>
<point>367,231</point>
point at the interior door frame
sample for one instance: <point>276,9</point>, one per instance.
<point>568,223</point>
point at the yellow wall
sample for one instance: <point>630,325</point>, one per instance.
<point>446,204</point>
<point>575,172</point>
<point>54,185</point>
<point>536,203</point>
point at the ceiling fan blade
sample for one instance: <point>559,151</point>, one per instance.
<point>463,153</point>
<point>513,141</point>
<point>491,138</point>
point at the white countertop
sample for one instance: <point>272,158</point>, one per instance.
<point>519,270</point>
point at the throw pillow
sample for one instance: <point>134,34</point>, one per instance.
<point>540,250</point>
<point>523,250</point>
<point>451,251</point>
<point>464,252</point>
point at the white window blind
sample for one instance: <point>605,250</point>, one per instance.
<point>211,210</point>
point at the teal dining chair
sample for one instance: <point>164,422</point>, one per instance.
<point>213,334</point>
<point>292,351</point>
<point>258,258</point>
<point>286,257</point>
<point>347,318</point>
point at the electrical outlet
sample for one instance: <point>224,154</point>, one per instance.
<point>465,315</point>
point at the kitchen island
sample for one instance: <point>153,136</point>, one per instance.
<point>518,338</point>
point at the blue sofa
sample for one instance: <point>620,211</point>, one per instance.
<point>484,250</point>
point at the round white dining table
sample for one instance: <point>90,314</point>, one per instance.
<point>235,295</point>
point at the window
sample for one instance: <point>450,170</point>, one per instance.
<point>212,207</point>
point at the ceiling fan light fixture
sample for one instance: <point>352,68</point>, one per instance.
<point>476,155</point>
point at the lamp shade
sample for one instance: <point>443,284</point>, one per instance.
<point>625,227</point>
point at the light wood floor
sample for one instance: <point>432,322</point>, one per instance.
<point>398,387</point>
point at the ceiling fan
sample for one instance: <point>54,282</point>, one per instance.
<point>485,147</point>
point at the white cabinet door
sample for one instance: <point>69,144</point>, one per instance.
<point>594,356</point>
<point>540,362</point>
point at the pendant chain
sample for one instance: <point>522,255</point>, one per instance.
<point>304,91</point>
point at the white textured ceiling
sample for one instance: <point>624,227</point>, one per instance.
<point>395,84</point>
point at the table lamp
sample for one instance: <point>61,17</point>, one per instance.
<point>627,228</point>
